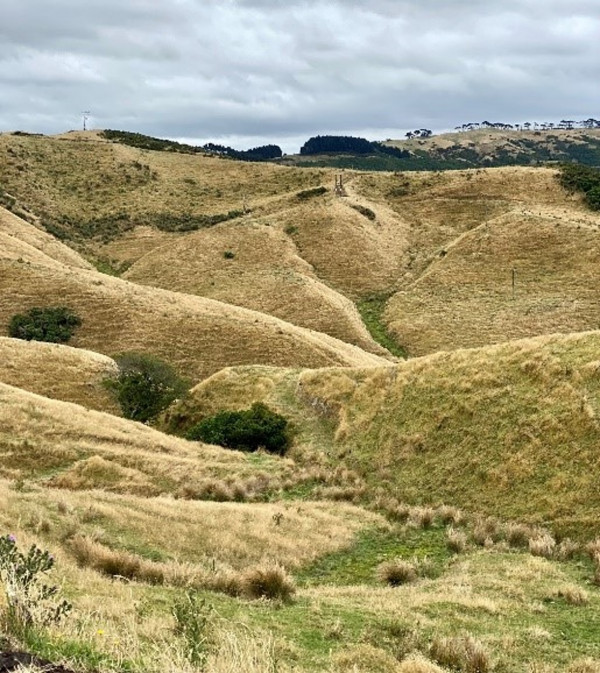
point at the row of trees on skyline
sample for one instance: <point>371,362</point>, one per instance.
<point>527,126</point>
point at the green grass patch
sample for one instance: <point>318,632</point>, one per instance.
<point>357,564</point>
<point>371,310</point>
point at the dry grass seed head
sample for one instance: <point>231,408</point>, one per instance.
<point>268,580</point>
<point>456,540</point>
<point>542,545</point>
<point>396,572</point>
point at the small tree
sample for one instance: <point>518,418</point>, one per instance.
<point>145,386</point>
<point>53,324</point>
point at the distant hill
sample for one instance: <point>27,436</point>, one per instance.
<point>466,149</point>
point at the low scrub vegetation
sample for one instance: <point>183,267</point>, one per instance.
<point>248,430</point>
<point>579,178</point>
<point>54,324</point>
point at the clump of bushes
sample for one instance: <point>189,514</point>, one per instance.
<point>53,324</point>
<point>246,430</point>
<point>145,386</point>
<point>576,177</point>
<point>29,601</point>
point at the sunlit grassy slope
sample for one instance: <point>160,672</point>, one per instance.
<point>196,335</point>
<point>509,430</point>
<point>59,372</point>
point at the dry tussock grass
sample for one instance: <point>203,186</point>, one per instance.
<point>417,663</point>
<point>197,336</point>
<point>365,657</point>
<point>584,665</point>
<point>572,594</point>
<point>462,653</point>
<point>542,545</point>
<point>397,572</point>
<point>456,540</point>
<point>60,372</point>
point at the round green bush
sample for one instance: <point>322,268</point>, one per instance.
<point>54,324</point>
<point>246,430</point>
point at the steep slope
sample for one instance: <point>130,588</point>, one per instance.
<point>508,430</point>
<point>60,372</point>
<point>198,336</point>
<point>21,240</point>
<point>252,264</point>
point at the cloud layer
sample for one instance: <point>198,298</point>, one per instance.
<point>252,71</point>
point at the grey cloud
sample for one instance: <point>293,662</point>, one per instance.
<point>276,70</point>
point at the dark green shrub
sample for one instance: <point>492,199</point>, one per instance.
<point>246,430</point>
<point>311,193</point>
<point>54,324</point>
<point>145,386</point>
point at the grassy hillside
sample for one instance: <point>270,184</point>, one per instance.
<point>509,430</point>
<point>84,187</point>
<point>97,492</point>
<point>252,264</point>
<point>59,372</point>
<point>22,240</point>
<point>198,336</point>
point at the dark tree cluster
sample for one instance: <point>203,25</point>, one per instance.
<point>336,145</point>
<point>246,430</point>
<point>585,179</point>
<point>263,153</point>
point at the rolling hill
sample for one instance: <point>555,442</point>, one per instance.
<point>508,430</point>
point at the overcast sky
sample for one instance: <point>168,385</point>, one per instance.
<point>249,72</point>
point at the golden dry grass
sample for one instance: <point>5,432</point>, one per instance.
<point>197,336</point>
<point>21,240</point>
<point>466,298</point>
<point>82,176</point>
<point>232,536</point>
<point>60,372</point>
<point>75,448</point>
<point>266,274</point>
<point>508,430</point>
